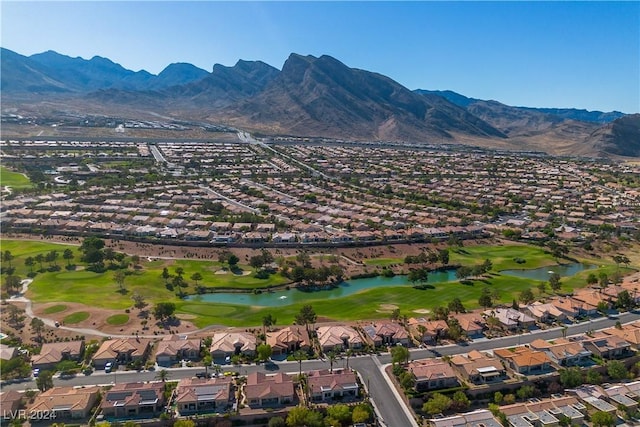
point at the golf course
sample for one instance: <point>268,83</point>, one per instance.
<point>62,281</point>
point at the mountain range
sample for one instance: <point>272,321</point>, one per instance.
<point>312,97</point>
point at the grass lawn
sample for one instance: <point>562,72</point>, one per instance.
<point>13,179</point>
<point>55,309</point>
<point>101,290</point>
<point>383,262</point>
<point>76,317</point>
<point>118,319</point>
<point>502,257</point>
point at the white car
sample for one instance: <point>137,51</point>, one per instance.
<point>108,367</point>
<point>36,372</point>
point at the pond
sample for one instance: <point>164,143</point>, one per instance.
<point>283,298</point>
<point>543,273</point>
<point>293,296</point>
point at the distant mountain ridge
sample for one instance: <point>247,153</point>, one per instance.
<point>51,71</point>
<point>311,96</point>
<point>564,113</point>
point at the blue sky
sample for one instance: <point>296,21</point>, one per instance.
<point>539,54</point>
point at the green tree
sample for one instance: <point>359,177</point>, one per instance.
<point>437,404</point>
<point>593,377</point>
<point>165,275</point>
<point>256,262</point>
<point>525,392</point>
<point>267,322</point>
<point>526,296</point>
<point>196,277</point>
<point>45,380</point>
<point>443,256</point>
<point>233,261</point>
<point>68,255</point>
<point>603,280</point>
<point>119,277</point>
<point>341,413</point>
<point>306,316</point>
<point>264,352</point>
<point>37,325</point>
<point>418,275</point>
<point>554,282</point>
<point>542,287</point>
<point>162,375</point>
<point>277,422</point>
<point>440,313</point>
<point>592,279</point>
<point>331,357</point>
<point>138,301</point>
<point>455,331</point>
<point>603,419</point>
<point>362,413</point>
<point>498,397</point>
<point>29,262</point>
<point>485,299</point>
<point>616,370</point>
<point>7,256</point>
<point>39,258</point>
<point>571,377</point>
<point>164,310</point>
<point>299,356</point>
<point>456,306</point>
<point>399,354</point>
<point>625,301</point>
<point>301,416</point>
<point>460,402</point>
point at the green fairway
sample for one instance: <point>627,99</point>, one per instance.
<point>55,309</point>
<point>100,289</point>
<point>383,262</point>
<point>502,257</point>
<point>118,319</point>
<point>13,179</point>
<point>76,317</point>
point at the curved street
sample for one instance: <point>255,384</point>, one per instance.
<point>390,408</point>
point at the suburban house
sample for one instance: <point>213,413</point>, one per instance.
<point>228,344</point>
<point>66,402</point>
<point>176,347</point>
<point>607,346</point>
<point>427,331</point>
<point>472,324</point>
<point>592,297</point>
<point>338,338</point>
<point>511,319</point>
<point>325,386</point>
<point>194,395</point>
<point>7,352</point>
<point>268,390</point>
<point>479,368</point>
<point>630,333</point>
<point>432,374</point>
<point>10,402</point>
<point>477,418</point>
<point>288,340</point>
<point>569,306</point>
<point>544,312</point>
<point>122,350</point>
<point>133,399</point>
<point>563,352</point>
<point>530,414</point>
<point>387,333</point>
<point>524,360</point>
<point>53,353</point>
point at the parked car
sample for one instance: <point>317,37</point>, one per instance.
<point>108,367</point>
<point>203,375</point>
<point>36,372</point>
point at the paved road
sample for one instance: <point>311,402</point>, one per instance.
<point>393,412</point>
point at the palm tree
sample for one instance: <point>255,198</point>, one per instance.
<point>299,356</point>
<point>267,322</point>
<point>68,255</point>
<point>348,354</point>
<point>332,358</point>
<point>40,258</point>
<point>162,375</point>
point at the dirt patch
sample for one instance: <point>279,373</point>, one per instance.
<point>422,311</point>
<point>387,308</point>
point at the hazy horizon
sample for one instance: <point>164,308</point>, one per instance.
<point>583,55</point>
